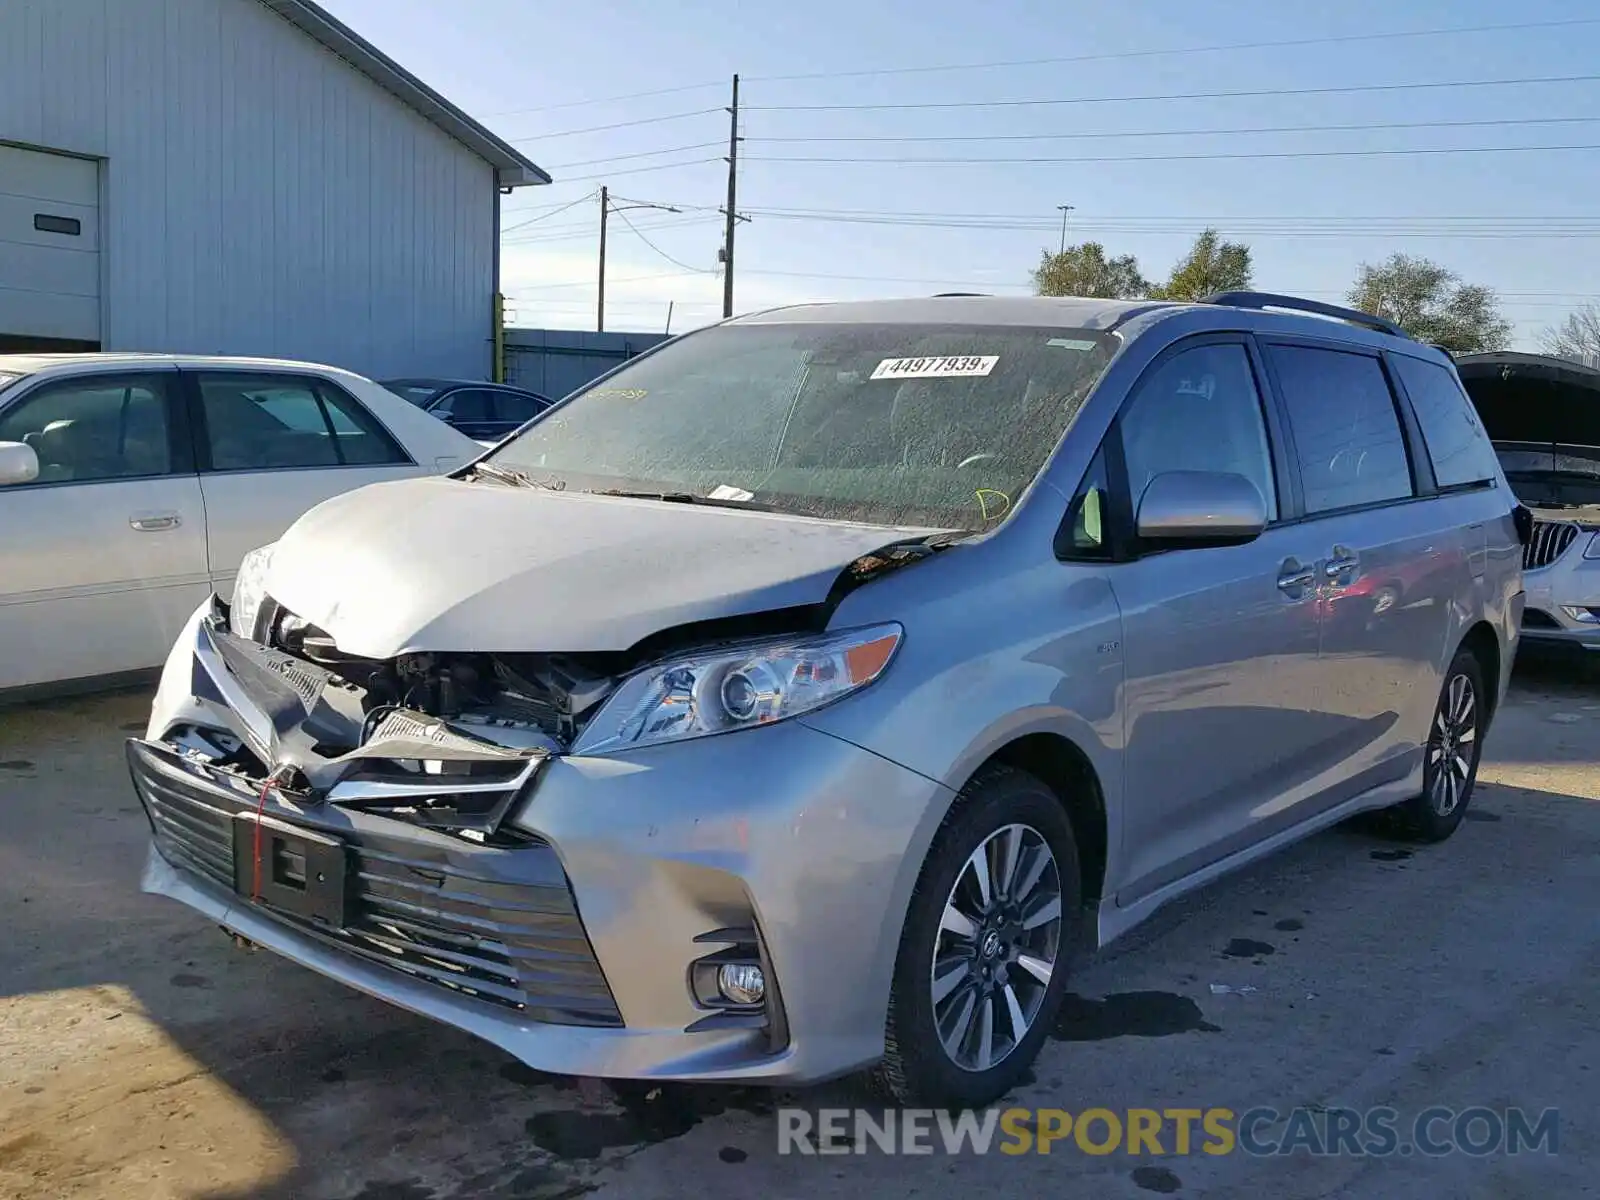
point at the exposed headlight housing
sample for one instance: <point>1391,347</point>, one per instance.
<point>738,687</point>
<point>250,591</point>
<point>1592,550</point>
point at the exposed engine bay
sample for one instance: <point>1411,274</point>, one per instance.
<point>531,693</point>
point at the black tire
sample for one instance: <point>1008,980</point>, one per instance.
<point>1438,811</point>
<point>1000,803</point>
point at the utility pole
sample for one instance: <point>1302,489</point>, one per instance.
<point>600,315</point>
<point>1065,209</point>
<point>733,184</point>
<point>606,208</point>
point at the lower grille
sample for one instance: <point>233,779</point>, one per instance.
<point>1549,542</point>
<point>499,925</point>
<point>1534,618</point>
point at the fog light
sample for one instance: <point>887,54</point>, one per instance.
<point>742,983</point>
<point>1589,616</point>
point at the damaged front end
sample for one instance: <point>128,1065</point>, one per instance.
<point>444,741</point>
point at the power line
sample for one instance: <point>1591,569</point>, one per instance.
<point>675,262</point>
<point>1235,226</point>
<point>594,162</point>
<point>683,116</point>
<point>1348,89</point>
<point>1076,136</point>
<point>1219,49</point>
<point>1218,157</point>
<point>693,162</point>
<point>553,212</point>
<point>568,233</point>
<point>667,91</point>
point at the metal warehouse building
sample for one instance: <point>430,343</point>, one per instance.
<point>240,177</point>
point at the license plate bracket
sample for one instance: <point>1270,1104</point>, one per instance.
<point>300,872</point>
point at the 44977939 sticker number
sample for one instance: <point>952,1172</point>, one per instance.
<point>943,367</point>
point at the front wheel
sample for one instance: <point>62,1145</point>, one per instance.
<point>982,963</point>
<point>1450,763</point>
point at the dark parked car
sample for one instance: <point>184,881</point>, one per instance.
<point>485,412</point>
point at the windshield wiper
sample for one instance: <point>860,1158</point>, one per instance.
<point>684,498</point>
<point>507,475</point>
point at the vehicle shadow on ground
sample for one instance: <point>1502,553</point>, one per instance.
<point>348,1098</point>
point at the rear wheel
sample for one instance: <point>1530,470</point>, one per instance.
<point>982,962</point>
<point>1450,763</point>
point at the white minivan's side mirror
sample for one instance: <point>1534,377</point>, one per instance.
<point>18,463</point>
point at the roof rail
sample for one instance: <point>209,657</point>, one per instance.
<point>1296,304</point>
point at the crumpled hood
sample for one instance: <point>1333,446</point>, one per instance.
<point>445,565</point>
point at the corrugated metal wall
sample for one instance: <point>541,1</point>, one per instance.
<point>554,362</point>
<point>259,195</point>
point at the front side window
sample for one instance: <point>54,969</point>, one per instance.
<point>258,422</point>
<point>1346,430</point>
<point>1200,410</point>
<point>1089,534</point>
<point>893,424</point>
<point>106,427</point>
<point>1457,445</point>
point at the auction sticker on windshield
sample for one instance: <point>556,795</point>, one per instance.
<point>935,368</point>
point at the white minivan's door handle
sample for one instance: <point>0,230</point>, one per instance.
<point>155,522</point>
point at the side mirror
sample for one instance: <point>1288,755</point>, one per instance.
<point>18,463</point>
<point>1212,508</point>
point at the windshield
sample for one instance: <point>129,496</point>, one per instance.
<point>930,425</point>
<point>418,394</point>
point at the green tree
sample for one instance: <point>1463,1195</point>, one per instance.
<point>1577,338</point>
<point>1084,270</point>
<point>1432,304</point>
<point>1212,265</point>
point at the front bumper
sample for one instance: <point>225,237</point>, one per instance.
<point>576,949</point>
<point>1571,583</point>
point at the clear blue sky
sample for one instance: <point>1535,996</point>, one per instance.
<point>1524,223</point>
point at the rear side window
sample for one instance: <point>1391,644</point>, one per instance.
<point>1346,431</point>
<point>1457,445</point>
<point>469,404</point>
<point>516,408</point>
<point>258,422</point>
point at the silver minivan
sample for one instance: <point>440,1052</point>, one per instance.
<point>804,695</point>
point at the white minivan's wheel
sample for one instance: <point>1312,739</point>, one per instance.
<point>983,959</point>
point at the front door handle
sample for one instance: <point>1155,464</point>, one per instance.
<point>1294,577</point>
<point>155,522</point>
<point>1341,565</point>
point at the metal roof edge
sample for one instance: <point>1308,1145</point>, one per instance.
<point>512,167</point>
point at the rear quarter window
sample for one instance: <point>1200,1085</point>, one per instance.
<point>1458,447</point>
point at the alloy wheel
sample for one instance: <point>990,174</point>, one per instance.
<point>997,947</point>
<point>1452,744</point>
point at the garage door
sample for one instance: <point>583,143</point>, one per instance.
<point>49,250</point>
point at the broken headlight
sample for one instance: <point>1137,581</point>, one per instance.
<point>250,591</point>
<point>737,687</point>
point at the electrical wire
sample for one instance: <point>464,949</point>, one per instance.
<point>693,162</point>
<point>1345,89</point>
<point>595,162</point>
<point>682,116</point>
<point>553,212</point>
<point>1209,157</point>
<point>1136,133</point>
<point>666,91</point>
<point>623,217</point>
<point>1335,39</point>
